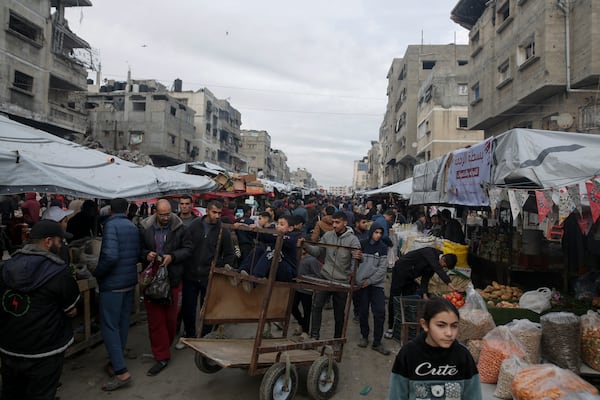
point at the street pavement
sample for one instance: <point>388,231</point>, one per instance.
<point>83,374</point>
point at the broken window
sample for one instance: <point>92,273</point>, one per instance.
<point>503,12</point>
<point>172,139</point>
<point>463,89</point>
<point>173,111</point>
<point>138,106</point>
<point>462,62</point>
<point>136,137</point>
<point>24,28</point>
<point>463,122</point>
<point>526,50</point>
<point>23,81</point>
<point>428,64</point>
<point>504,72</point>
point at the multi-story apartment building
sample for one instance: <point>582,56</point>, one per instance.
<point>443,109</point>
<point>141,115</point>
<point>217,128</point>
<point>302,178</point>
<point>256,147</point>
<point>43,76</point>
<point>398,132</point>
<point>374,172</point>
<point>339,190</point>
<point>277,168</point>
<point>534,64</point>
<point>359,174</point>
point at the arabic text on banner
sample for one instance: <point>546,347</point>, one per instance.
<point>470,168</point>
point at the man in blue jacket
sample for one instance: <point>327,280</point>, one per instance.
<point>116,274</point>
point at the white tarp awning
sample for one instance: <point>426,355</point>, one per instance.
<point>33,160</point>
<point>403,188</point>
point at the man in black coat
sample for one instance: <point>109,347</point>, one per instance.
<point>205,234</point>
<point>38,296</point>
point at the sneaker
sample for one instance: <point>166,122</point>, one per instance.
<point>179,345</point>
<point>233,280</point>
<point>363,342</point>
<point>389,334</point>
<point>156,368</point>
<point>380,349</point>
<point>246,285</point>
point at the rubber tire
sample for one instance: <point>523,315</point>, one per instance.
<point>316,389</point>
<point>205,365</point>
<point>273,380</point>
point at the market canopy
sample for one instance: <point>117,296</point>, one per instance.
<point>402,188</point>
<point>33,160</point>
<point>520,158</point>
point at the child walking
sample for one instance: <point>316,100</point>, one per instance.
<point>434,365</point>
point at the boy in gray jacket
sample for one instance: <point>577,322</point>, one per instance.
<point>336,267</point>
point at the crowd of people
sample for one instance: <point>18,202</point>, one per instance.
<point>323,238</point>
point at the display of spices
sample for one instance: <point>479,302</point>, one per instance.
<point>474,324</point>
<point>474,347</point>
<point>508,370</point>
<point>498,345</point>
<point>547,381</point>
<point>561,339</point>
<point>590,339</point>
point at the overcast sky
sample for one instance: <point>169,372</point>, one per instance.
<point>311,73</point>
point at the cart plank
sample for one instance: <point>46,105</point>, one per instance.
<point>236,353</point>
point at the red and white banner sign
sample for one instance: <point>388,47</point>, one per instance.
<point>470,168</point>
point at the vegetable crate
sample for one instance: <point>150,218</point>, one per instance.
<point>408,310</point>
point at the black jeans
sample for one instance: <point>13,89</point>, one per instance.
<point>189,306</point>
<point>339,307</point>
<point>31,378</point>
<point>372,296</point>
<point>303,317</point>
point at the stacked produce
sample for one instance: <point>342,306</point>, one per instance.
<point>547,381</point>
<point>590,339</point>
<point>561,339</point>
<point>498,345</point>
<point>498,295</point>
<point>455,298</point>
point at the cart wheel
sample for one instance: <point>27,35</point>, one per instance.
<point>320,382</point>
<point>273,385</point>
<point>205,365</point>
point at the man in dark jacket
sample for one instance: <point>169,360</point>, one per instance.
<point>422,263</point>
<point>205,234</point>
<point>116,273</point>
<point>165,238</point>
<point>451,228</point>
<point>38,296</point>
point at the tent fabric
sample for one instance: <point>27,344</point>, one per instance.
<point>523,159</point>
<point>33,160</point>
<point>402,188</point>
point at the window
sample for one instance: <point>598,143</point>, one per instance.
<point>526,52</point>
<point>188,146</point>
<point>462,62</point>
<point>172,139</point>
<point>423,129</point>
<point>136,137</point>
<point>402,73</point>
<point>138,106</point>
<point>476,93</point>
<point>475,42</point>
<point>24,28</point>
<point>427,95</point>
<point>23,81</point>
<point>463,122</point>
<point>428,64</point>
<point>173,111</point>
<point>463,89</point>
<point>503,74</point>
<point>503,12</point>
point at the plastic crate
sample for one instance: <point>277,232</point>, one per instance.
<point>408,310</point>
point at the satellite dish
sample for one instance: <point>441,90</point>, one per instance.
<point>564,120</point>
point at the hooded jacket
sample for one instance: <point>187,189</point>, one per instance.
<point>338,261</point>
<point>31,208</point>
<point>197,267</point>
<point>374,262</point>
<point>178,244</point>
<point>322,226</point>
<point>36,290</point>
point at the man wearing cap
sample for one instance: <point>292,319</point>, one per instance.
<point>38,295</point>
<point>116,274</point>
<point>59,215</point>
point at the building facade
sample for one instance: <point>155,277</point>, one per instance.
<point>302,178</point>
<point>534,64</point>
<point>443,110</point>
<point>142,116</point>
<point>217,125</point>
<point>277,168</point>
<point>43,76</point>
<point>398,132</point>
<point>256,147</point>
<point>359,174</point>
<point>375,164</point>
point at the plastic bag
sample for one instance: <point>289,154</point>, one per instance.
<point>561,339</point>
<point>498,345</point>
<point>475,320</point>
<point>536,300</point>
<point>590,339</point>
<point>147,275</point>
<point>159,290</point>
<point>586,286</point>
<point>547,381</point>
<point>530,334</point>
<point>508,371</point>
